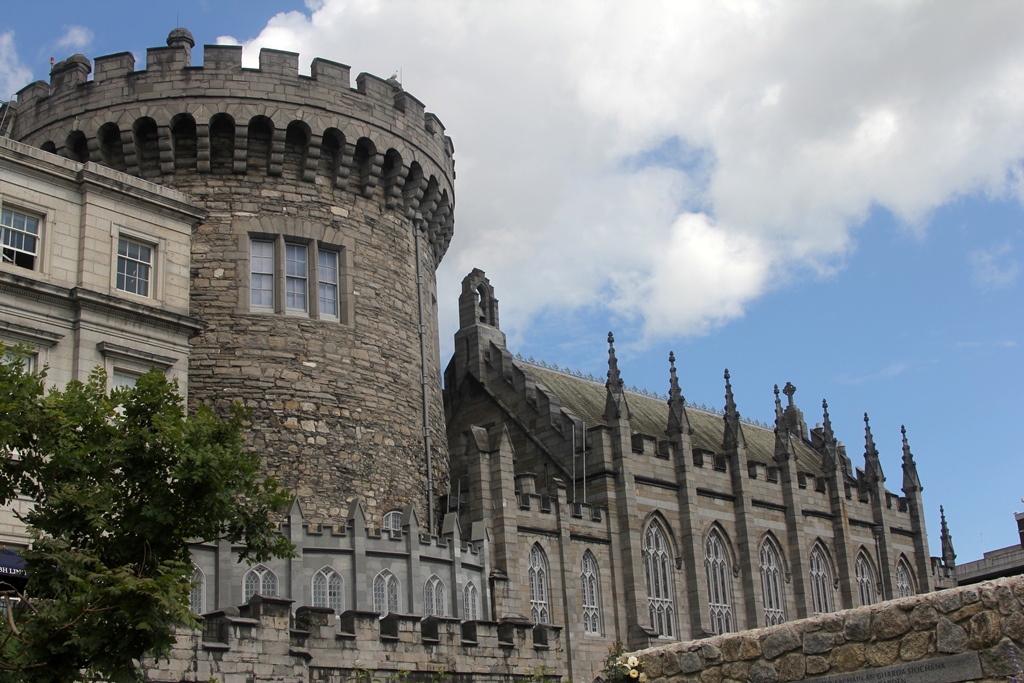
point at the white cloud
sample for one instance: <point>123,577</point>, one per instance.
<point>74,38</point>
<point>994,267</point>
<point>13,74</point>
<point>801,118</point>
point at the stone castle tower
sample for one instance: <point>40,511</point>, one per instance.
<point>328,209</point>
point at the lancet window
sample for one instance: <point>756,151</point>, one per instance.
<point>904,580</point>
<point>865,579</point>
<point>386,589</point>
<point>658,574</point>
<point>328,590</point>
<point>821,582</point>
<point>716,566</point>
<point>771,584</point>
<point>434,596</point>
<point>259,580</point>
<point>591,595</point>
<point>538,576</point>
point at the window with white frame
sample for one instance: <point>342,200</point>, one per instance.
<point>865,579</point>
<point>296,269</point>
<point>121,378</point>
<point>19,234</point>
<point>904,580</point>
<point>434,597</point>
<point>658,573</point>
<point>134,267</point>
<point>328,590</point>
<point>386,589</point>
<point>771,584</point>
<point>591,595</point>
<point>821,582</point>
<point>393,521</point>
<point>719,577</point>
<point>470,600</point>
<point>259,580</point>
<point>197,594</point>
<point>295,277</point>
<point>261,275</point>
<point>327,274</point>
<point>540,612</point>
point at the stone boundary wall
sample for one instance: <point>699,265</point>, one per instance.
<point>948,634</point>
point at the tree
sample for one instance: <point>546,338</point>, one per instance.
<point>123,481</point>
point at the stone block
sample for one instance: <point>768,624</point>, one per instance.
<point>776,643</point>
<point>888,622</point>
<point>949,637</point>
<point>848,657</point>
<point>983,630</point>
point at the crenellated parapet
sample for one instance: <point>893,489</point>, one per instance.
<point>373,140</point>
<point>264,641</point>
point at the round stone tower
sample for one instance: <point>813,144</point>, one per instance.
<point>328,210</point>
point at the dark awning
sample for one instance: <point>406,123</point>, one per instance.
<point>12,570</point>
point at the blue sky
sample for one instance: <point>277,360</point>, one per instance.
<point>822,193</point>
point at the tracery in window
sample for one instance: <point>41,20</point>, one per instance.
<point>904,580</point>
<point>716,566</point>
<point>821,582</point>
<point>386,589</point>
<point>591,595</point>
<point>771,584</point>
<point>865,579</point>
<point>329,590</point>
<point>434,597</point>
<point>658,574</point>
<point>538,577</point>
<point>197,594</point>
<point>259,580</point>
<point>470,600</point>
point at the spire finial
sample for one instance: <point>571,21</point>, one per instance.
<point>778,409</point>
<point>830,438</point>
<point>948,554</point>
<point>730,404</point>
<point>674,393</point>
<point>614,378</point>
<point>911,481</point>
<point>872,465</point>
<point>733,430</point>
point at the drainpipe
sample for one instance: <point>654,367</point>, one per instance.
<point>417,225</point>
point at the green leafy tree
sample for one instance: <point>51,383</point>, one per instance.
<point>122,482</point>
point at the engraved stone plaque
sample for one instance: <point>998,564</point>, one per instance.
<point>952,669</point>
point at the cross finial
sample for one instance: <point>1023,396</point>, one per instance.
<point>789,391</point>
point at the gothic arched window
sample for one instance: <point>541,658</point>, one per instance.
<point>434,597</point>
<point>386,589</point>
<point>197,595</point>
<point>821,581</point>
<point>658,573</point>
<point>771,584</point>
<point>328,590</point>
<point>591,595</point>
<point>259,580</point>
<point>538,575</point>
<point>904,580</point>
<point>470,599</point>
<point>716,566</point>
<point>865,579</point>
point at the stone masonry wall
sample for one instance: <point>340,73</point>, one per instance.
<point>941,636</point>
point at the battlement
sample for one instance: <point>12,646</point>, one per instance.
<point>262,640</point>
<point>172,120</point>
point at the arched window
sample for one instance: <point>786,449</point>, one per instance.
<point>904,580</point>
<point>470,600</point>
<point>434,596</point>
<point>658,572</point>
<point>329,590</point>
<point>538,575</point>
<point>197,595</point>
<point>865,579</point>
<point>771,584</point>
<point>386,589</point>
<point>591,595</point>
<point>393,521</point>
<point>821,582</point>
<point>716,565</point>
<point>258,580</point>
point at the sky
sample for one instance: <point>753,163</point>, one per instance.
<point>828,194</point>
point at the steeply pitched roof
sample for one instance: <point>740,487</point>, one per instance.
<point>586,399</point>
